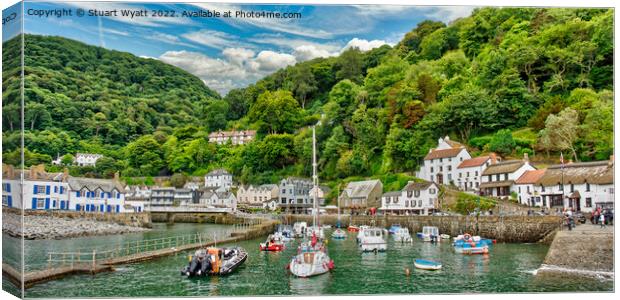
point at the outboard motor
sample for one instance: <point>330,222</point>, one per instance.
<point>194,267</point>
<point>205,266</point>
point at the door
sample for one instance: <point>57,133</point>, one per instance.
<point>440,178</point>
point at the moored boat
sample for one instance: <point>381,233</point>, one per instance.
<point>339,234</point>
<point>353,228</point>
<point>273,243</point>
<point>444,236</point>
<point>299,229</point>
<point>373,239</point>
<point>466,244</point>
<point>215,261</point>
<point>394,228</point>
<point>429,234</point>
<point>426,264</point>
<point>402,235</point>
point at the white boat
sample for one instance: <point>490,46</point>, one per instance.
<point>339,234</point>
<point>312,258</point>
<point>299,228</point>
<point>373,239</point>
<point>426,264</point>
<point>326,226</point>
<point>315,230</point>
<point>360,233</point>
<point>402,235</point>
<point>444,236</point>
<point>429,234</point>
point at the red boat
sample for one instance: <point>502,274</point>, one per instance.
<point>353,228</point>
<point>269,246</point>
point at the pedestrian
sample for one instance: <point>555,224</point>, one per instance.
<point>602,220</point>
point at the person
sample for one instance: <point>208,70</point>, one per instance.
<point>568,215</point>
<point>602,220</point>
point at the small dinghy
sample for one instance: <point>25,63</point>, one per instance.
<point>394,228</point>
<point>425,264</point>
<point>466,244</point>
<point>339,234</point>
<point>353,228</point>
<point>215,262</point>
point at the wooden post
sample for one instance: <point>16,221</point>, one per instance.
<point>49,261</point>
<point>94,259</point>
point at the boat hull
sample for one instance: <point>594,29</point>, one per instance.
<point>197,268</point>
<point>276,247</point>
<point>371,247</point>
<point>427,265</point>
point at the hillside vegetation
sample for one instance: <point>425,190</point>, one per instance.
<point>509,80</point>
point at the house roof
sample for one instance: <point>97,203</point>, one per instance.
<point>493,184</point>
<point>453,144</point>
<point>444,153</point>
<point>530,177</point>
<point>218,172</point>
<point>599,172</point>
<point>360,189</point>
<point>232,133</point>
<point>106,185</point>
<point>417,186</point>
<point>507,166</point>
<point>392,194</point>
<point>473,162</point>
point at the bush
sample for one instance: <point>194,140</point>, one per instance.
<point>480,142</point>
<point>467,203</point>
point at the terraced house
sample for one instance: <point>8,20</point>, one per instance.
<point>416,198</point>
<point>440,164</point>
<point>498,179</point>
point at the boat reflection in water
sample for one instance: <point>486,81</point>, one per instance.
<point>313,286</point>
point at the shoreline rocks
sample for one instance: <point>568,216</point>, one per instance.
<point>38,227</point>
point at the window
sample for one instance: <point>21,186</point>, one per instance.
<point>5,200</point>
<point>407,203</point>
<point>409,194</point>
<point>611,190</point>
<point>519,189</point>
<point>431,191</point>
<point>432,178</point>
<point>283,191</point>
<point>588,202</point>
<point>560,187</point>
<point>587,187</point>
<point>467,173</point>
<point>387,200</point>
<point>431,169</point>
<point>542,188</point>
<point>440,168</point>
<point>490,178</point>
<point>475,173</point>
<point>528,188</point>
<point>420,203</point>
<point>39,189</point>
<point>460,175</point>
<point>449,177</point>
<point>417,193</point>
<point>506,176</point>
<point>477,184</point>
<point>40,203</point>
<point>6,187</point>
<point>449,168</point>
<point>441,160</point>
<point>497,177</point>
<point>461,159</point>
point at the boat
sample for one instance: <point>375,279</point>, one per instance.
<point>316,230</point>
<point>402,235</point>
<point>214,261</point>
<point>273,243</point>
<point>353,228</point>
<point>299,229</point>
<point>373,239</point>
<point>312,258</point>
<point>426,264</point>
<point>326,226</point>
<point>393,228</point>
<point>444,236</point>
<point>466,244</point>
<point>284,235</point>
<point>429,234</point>
<point>339,234</point>
<point>360,232</point>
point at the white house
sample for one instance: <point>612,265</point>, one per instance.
<point>294,195</point>
<point>183,196</point>
<point>162,196</point>
<point>416,198</point>
<point>137,197</point>
<point>440,164</point>
<point>257,196</point>
<point>87,159</point>
<point>219,178</point>
<point>41,190</point>
<point>96,195</point>
<point>525,187</point>
<point>234,136</point>
<point>582,186</point>
<point>498,178</point>
<point>219,200</point>
<point>470,172</point>
<point>321,193</point>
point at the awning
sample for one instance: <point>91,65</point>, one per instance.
<point>493,184</point>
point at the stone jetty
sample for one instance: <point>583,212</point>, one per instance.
<point>54,227</point>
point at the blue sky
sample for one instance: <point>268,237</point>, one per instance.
<point>228,53</point>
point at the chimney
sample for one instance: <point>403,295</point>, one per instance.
<point>8,170</point>
<point>65,174</point>
<point>33,172</point>
<point>611,160</point>
<point>116,176</point>
<point>526,157</point>
<point>493,157</point>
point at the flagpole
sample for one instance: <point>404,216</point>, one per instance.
<point>562,172</point>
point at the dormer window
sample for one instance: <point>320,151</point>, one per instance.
<point>560,186</point>
<point>587,187</point>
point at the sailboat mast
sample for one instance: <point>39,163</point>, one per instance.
<point>315,179</point>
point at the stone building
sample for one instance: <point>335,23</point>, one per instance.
<point>359,196</point>
<point>235,137</point>
<point>87,159</point>
<point>252,196</point>
<point>470,172</point>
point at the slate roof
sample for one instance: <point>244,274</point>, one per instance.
<point>360,189</point>
<point>507,166</point>
<point>91,184</point>
<point>530,177</point>
<point>599,172</point>
<point>417,186</point>
<point>473,162</point>
<point>444,153</point>
<point>218,172</point>
<point>392,194</point>
<point>493,184</point>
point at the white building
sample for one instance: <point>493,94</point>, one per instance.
<point>322,192</point>
<point>87,159</point>
<point>183,197</point>
<point>525,187</point>
<point>440,164</point>
<point>470,172</point>
<point>137,197</point>
<point>162,196</point>
<point>498,178</point>
<point>257,196</point>
<point>96,195</point>
<point>41,190</point>
<point>416,198</point>
<point>219,178</point>
<point>294,195</point>
<point>582,186</point>
<point>218,200</point>
<point>235,137</point>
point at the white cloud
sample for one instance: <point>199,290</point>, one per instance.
<point>364,45</point>
<point>238,56</point>
<point>117,32</point>
<point>447,14</point>
<point>270,61</point>
<point>308,52</point>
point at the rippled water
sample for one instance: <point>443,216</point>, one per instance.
<point>508,268</point>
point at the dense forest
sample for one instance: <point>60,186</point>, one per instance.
<point>509,80</point>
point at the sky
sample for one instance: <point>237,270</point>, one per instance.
<point>229,53</point>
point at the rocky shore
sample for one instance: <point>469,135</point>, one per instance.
<point>52,227</point>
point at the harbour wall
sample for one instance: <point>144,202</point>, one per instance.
<point>195,217</point>
<point>141,219</point>
<point>510,229</point>
<point>587,250</point>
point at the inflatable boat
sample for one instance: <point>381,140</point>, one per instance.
<point>215,262</point>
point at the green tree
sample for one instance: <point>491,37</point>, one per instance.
<point>561,132</point>
<point>502,142</point>
<point>275,112</point>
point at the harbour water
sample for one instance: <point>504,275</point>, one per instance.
<point>509,268</point>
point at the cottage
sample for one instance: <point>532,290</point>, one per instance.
<point>416,198</point>
<point>582,186</point>
<point>137,197</point>
<point>321,193</point>
<point>219,178</point>
<point>256,196</point>
<point>440,164</point>
<point>525,187</point>
<point>87,159</point>
<point>235,137</point>
<point>294,195</point>
<point>214,199</point>
<point>470,172</point>
<point>96,195</point>
<point>359,196</point>
<point>497,179</point>
<point>41,190</point>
